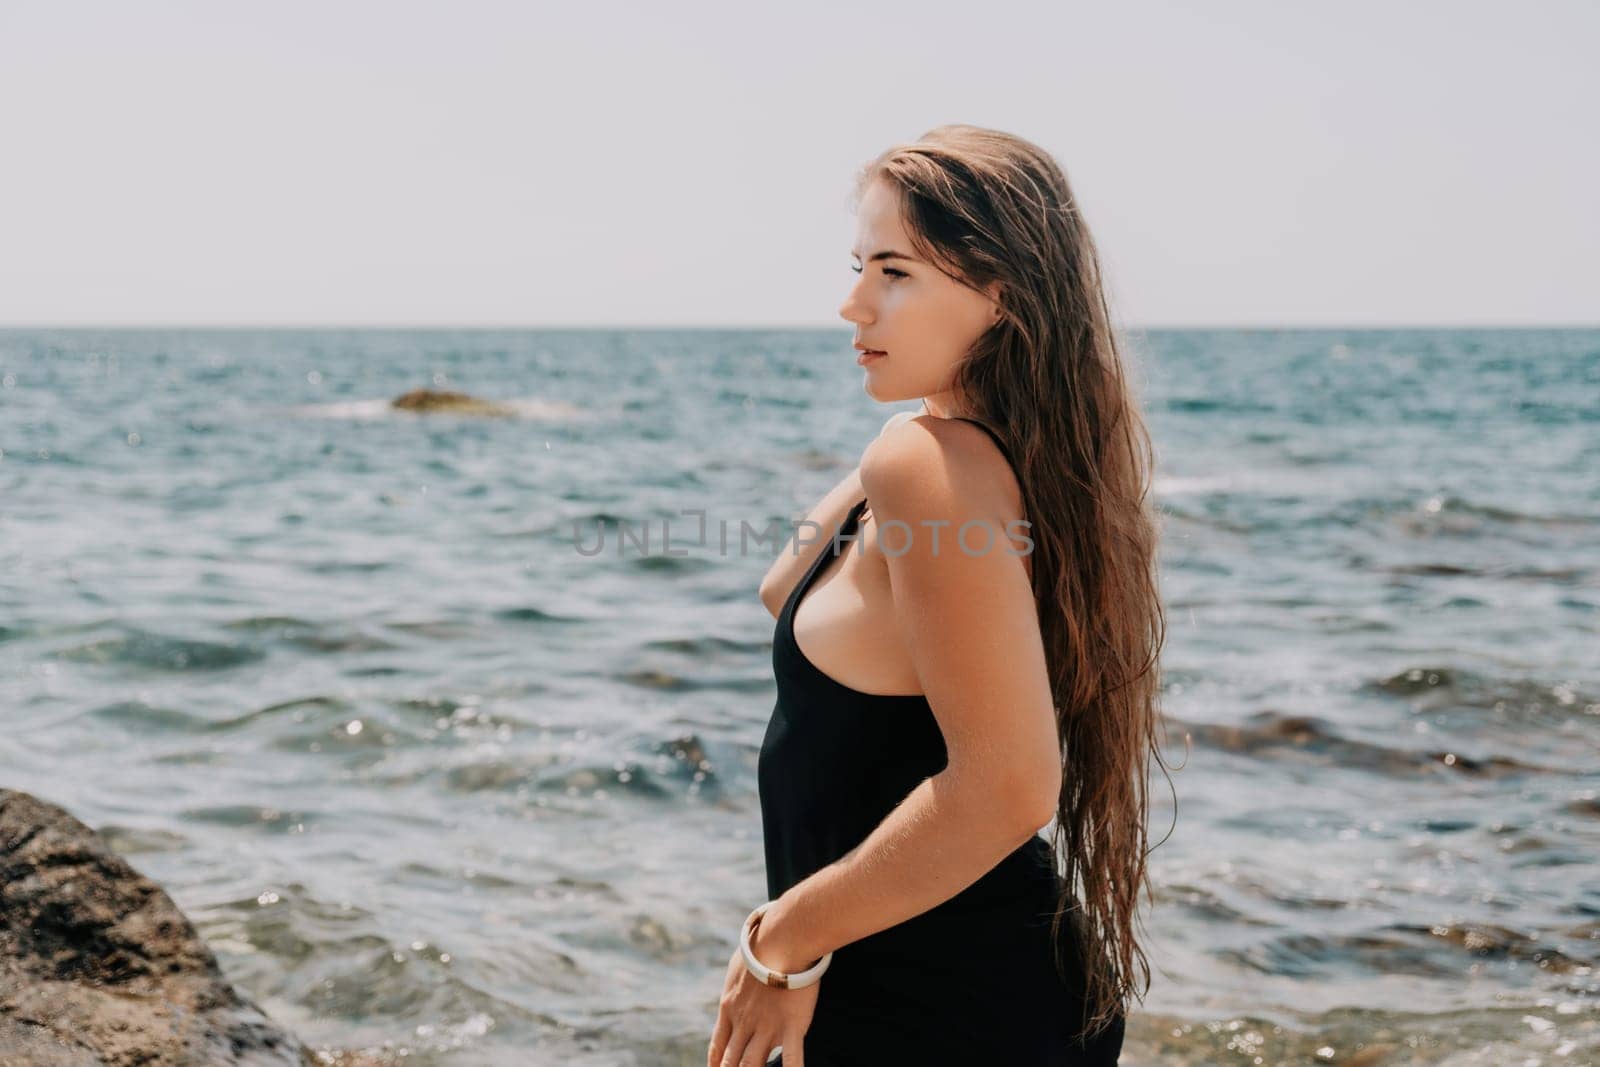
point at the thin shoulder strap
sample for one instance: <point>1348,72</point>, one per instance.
<point>1001,445</point>
<point>830,550</point>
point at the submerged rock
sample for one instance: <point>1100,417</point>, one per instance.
<point>427,400</point>
<point>99,967</point>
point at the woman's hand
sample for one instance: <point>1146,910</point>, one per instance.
<point>753,1018</point>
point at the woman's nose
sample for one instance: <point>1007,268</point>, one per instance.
<point>854,309</point>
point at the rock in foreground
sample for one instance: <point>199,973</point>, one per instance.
<point>99,967</point>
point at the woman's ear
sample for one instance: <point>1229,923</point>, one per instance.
<point>995,292</point>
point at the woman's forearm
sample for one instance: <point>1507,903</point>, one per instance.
<point>941,838</point>
<point>795,558</point>
<point>810,541</point>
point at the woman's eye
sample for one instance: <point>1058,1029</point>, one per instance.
<point>889,271</point>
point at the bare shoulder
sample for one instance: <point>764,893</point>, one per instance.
<point>945,465</point>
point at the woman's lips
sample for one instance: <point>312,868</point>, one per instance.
<point>868,355</point>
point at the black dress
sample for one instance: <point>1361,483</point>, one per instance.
<point>971,981</point>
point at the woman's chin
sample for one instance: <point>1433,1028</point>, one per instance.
<point>876,394</point>
<point>882,392</point>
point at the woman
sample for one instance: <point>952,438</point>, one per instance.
<point>983,662</point>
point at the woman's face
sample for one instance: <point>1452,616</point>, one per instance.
<point>923,320</point>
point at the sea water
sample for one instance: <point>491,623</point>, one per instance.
<point>434,778</point>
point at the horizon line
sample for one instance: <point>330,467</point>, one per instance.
<point>754,327</point>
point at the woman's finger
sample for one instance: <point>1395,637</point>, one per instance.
<point>719,1039</point>
<point>735,1050</point>
<point>794,1051</point>
<point>757,1051</point>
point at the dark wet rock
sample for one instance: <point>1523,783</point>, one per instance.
<point>99,967</point>
<point>1498,942</point>
<point>1467,696</point>
<point>429,400</point>
<point>1271,734</point>
<point>1585,806</point>
<point>688,749</point>
<point>654,679</point>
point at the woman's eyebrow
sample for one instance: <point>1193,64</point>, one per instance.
<point>886,254</point>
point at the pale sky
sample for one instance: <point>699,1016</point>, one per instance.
<point>682,163</point>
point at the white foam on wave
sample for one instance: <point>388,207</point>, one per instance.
<point>532,407</point>
<point>345,409</point>
<point>520,407</point>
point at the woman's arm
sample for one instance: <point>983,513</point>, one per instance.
<point>792,562</point>
<point>970,623</point>
<point>827,514</point>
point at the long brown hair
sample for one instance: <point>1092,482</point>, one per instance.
<point>986,206</point>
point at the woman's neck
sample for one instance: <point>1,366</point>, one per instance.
<point>943,406</point>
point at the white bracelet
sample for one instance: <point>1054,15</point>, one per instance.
<point>776,979</point>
